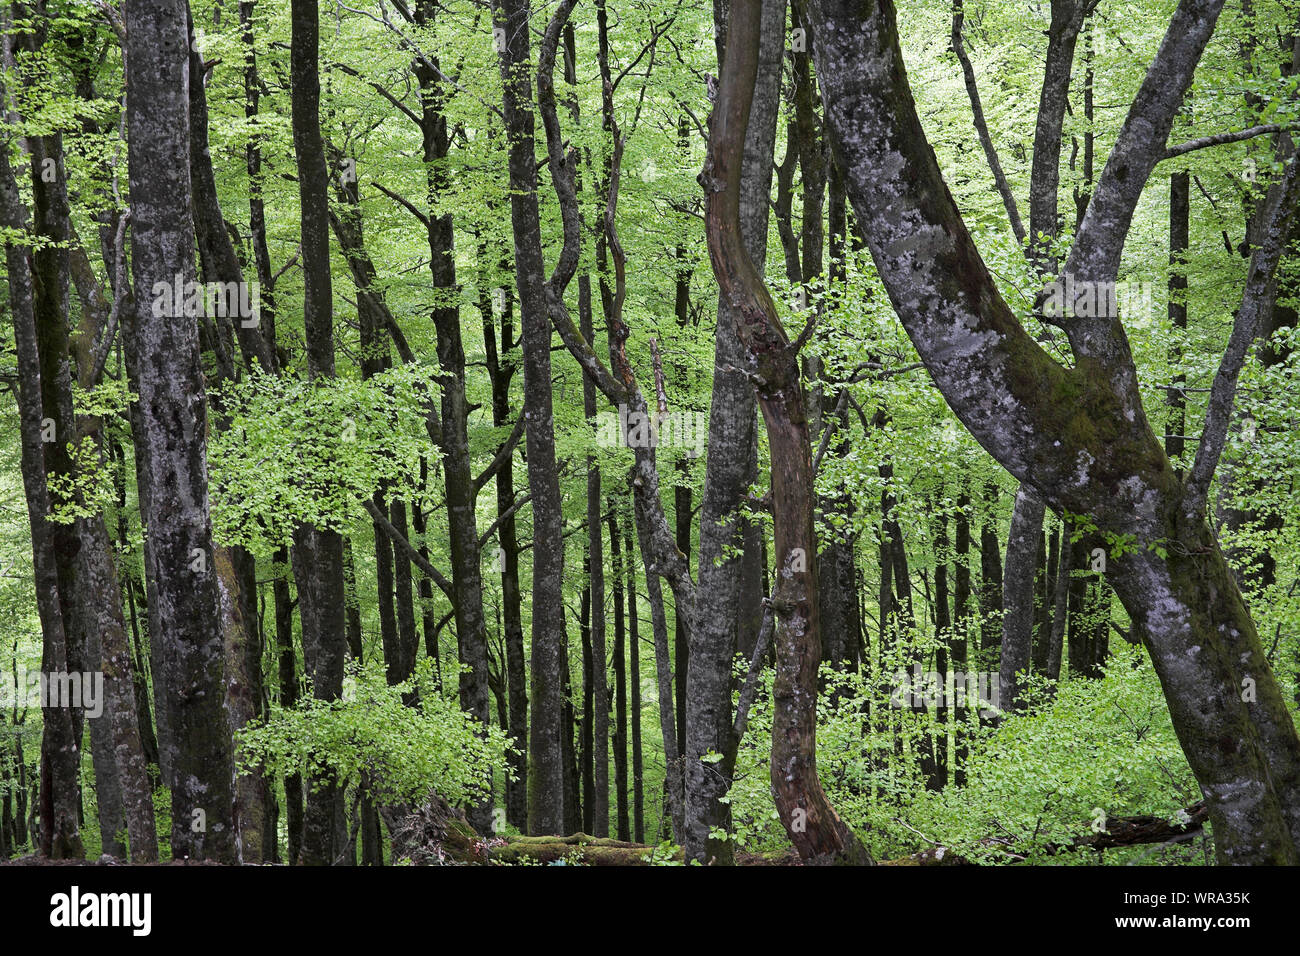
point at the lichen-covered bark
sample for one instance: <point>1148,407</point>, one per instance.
<point>1079,438</point>
<point>238,568</point>
<point>110,649</point>
<point>172,441</point>
<point>725,548</point>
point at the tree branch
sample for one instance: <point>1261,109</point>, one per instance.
<point>1220,139</point>
<point>1257,301</point>
<point>419,560</point>
<point>982,126</point>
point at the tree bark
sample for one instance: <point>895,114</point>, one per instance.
<point>729,471</point>
<point>184,594</point>
<point>60,836</point>
<point>1042,422</point>
<point>545,768</point>
<point>462,492</point>
<point>634,677</point>
<point>318,552</point>
<point>1023,543</point>
<point>501,372</point>
<point>810,821</point>
<point>622,820</point>
<point>110,649</point>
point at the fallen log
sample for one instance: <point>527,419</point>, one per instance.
<point>437,834</point>
<point>1123,832</point>
<point>586,850</point>
<point>1119,833</point>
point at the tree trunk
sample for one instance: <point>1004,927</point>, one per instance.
<point>732,441</point>
<point>634,677</point>
<point>110,648</point>
<point>318,552</point>
<point>1023,543</point>
<point>501,372</point>
<point>60,836</point>
<point>545,764</point>
<point>809,820</point>
<point>462,492</point>
<point>990,599</point>
<point>622,820</point>
<point>220,264</point>
<point>1047,420</point>
<point>288,686</point>
<point>184,595</point>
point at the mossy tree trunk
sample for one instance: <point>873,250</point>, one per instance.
<point>1080,437</point>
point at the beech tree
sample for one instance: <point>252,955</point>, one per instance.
<point>1080,436</point>
<point>163,350</point>
<point>1004,571</point>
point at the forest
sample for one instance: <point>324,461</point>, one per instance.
<point>650,433</point>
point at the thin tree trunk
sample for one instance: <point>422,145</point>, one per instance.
<point>60,836</point>
<point>634,677</point>
<point>462,492</point>
<point>622,821</point>
<point>1047,597</point>
<point>288,686</point>
<point>1023,543</point>
<point>318,552</point>
<point>990,597</point>
<point>546,780</point>
<point>501,372</point>
<point>810,821</point>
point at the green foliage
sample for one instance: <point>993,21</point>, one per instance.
<point>299,451</point>
<point>1034,782</point>
<point>395,752</point>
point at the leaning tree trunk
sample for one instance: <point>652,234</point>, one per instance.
<point>1080,436</point>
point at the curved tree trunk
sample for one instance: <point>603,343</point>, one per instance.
<point>812,824</point>
<point>1080,437</point>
